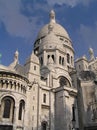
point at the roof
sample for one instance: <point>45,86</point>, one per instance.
<point>57,28</point>
<point>33,58</point>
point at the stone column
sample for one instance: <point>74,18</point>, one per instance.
<point>57,57</point>
<point>44,58</point>
<point>15,120</point>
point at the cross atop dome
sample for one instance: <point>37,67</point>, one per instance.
<point>52,16</point>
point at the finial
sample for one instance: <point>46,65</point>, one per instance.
<point>91,52</point>
<point>16,55</point>
<point>52,16</point>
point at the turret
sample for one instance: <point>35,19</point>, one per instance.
<point>16,60</point>
<point>32,68</point>
<point>81,64</point>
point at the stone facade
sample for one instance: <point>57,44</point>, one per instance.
<point>48,92</point>
<point>87,91</point>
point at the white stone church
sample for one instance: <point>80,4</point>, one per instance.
<point>50,91</point>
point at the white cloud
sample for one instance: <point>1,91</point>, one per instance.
<point>16,24</point>
<point>71,3</point>
<point>60,2</point>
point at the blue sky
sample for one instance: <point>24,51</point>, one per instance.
<point>20,21</point>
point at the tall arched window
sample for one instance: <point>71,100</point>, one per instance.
<point>53,57</point>
<point>44,98</point>
<point>71,60</point>
<point>48,56</point>
<point>62,61</point>
<point>59,59</point>
<point>7,108</point>
<point>21,109</point>
<point>41,61</point>
<point>68,58</point>
<point>73,112</point>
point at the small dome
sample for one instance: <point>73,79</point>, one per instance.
<point>57,28</point>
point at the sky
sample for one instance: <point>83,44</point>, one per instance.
<point>21,20</point>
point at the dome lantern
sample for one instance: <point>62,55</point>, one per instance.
<point>52,16</point>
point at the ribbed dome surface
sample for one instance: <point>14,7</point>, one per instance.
<point>57,29</point>
<point>51,38</point>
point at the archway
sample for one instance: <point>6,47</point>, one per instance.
<point>44,125</point>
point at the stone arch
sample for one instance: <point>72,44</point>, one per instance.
<point>66,75</point>
<point>21,109</point>
<point>7,108</point>
<point>9,95</point>
<point>44,125</point>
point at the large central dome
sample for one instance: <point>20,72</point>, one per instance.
<point>57,28</point>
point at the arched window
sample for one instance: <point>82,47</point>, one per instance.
<point>44,125</point>
<point>73,112</point>
<point>71,60</point>
<point>34,67</point>
<point>68,58</point>
<point>53,57</point>
<point>7,108</point>
<point>48,56</point>
<point>60,60</point>
<point>21,109</point>
<point>41,61</point>
<point>44,98</point>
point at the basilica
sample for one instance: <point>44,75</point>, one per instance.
<point>52,90</point>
